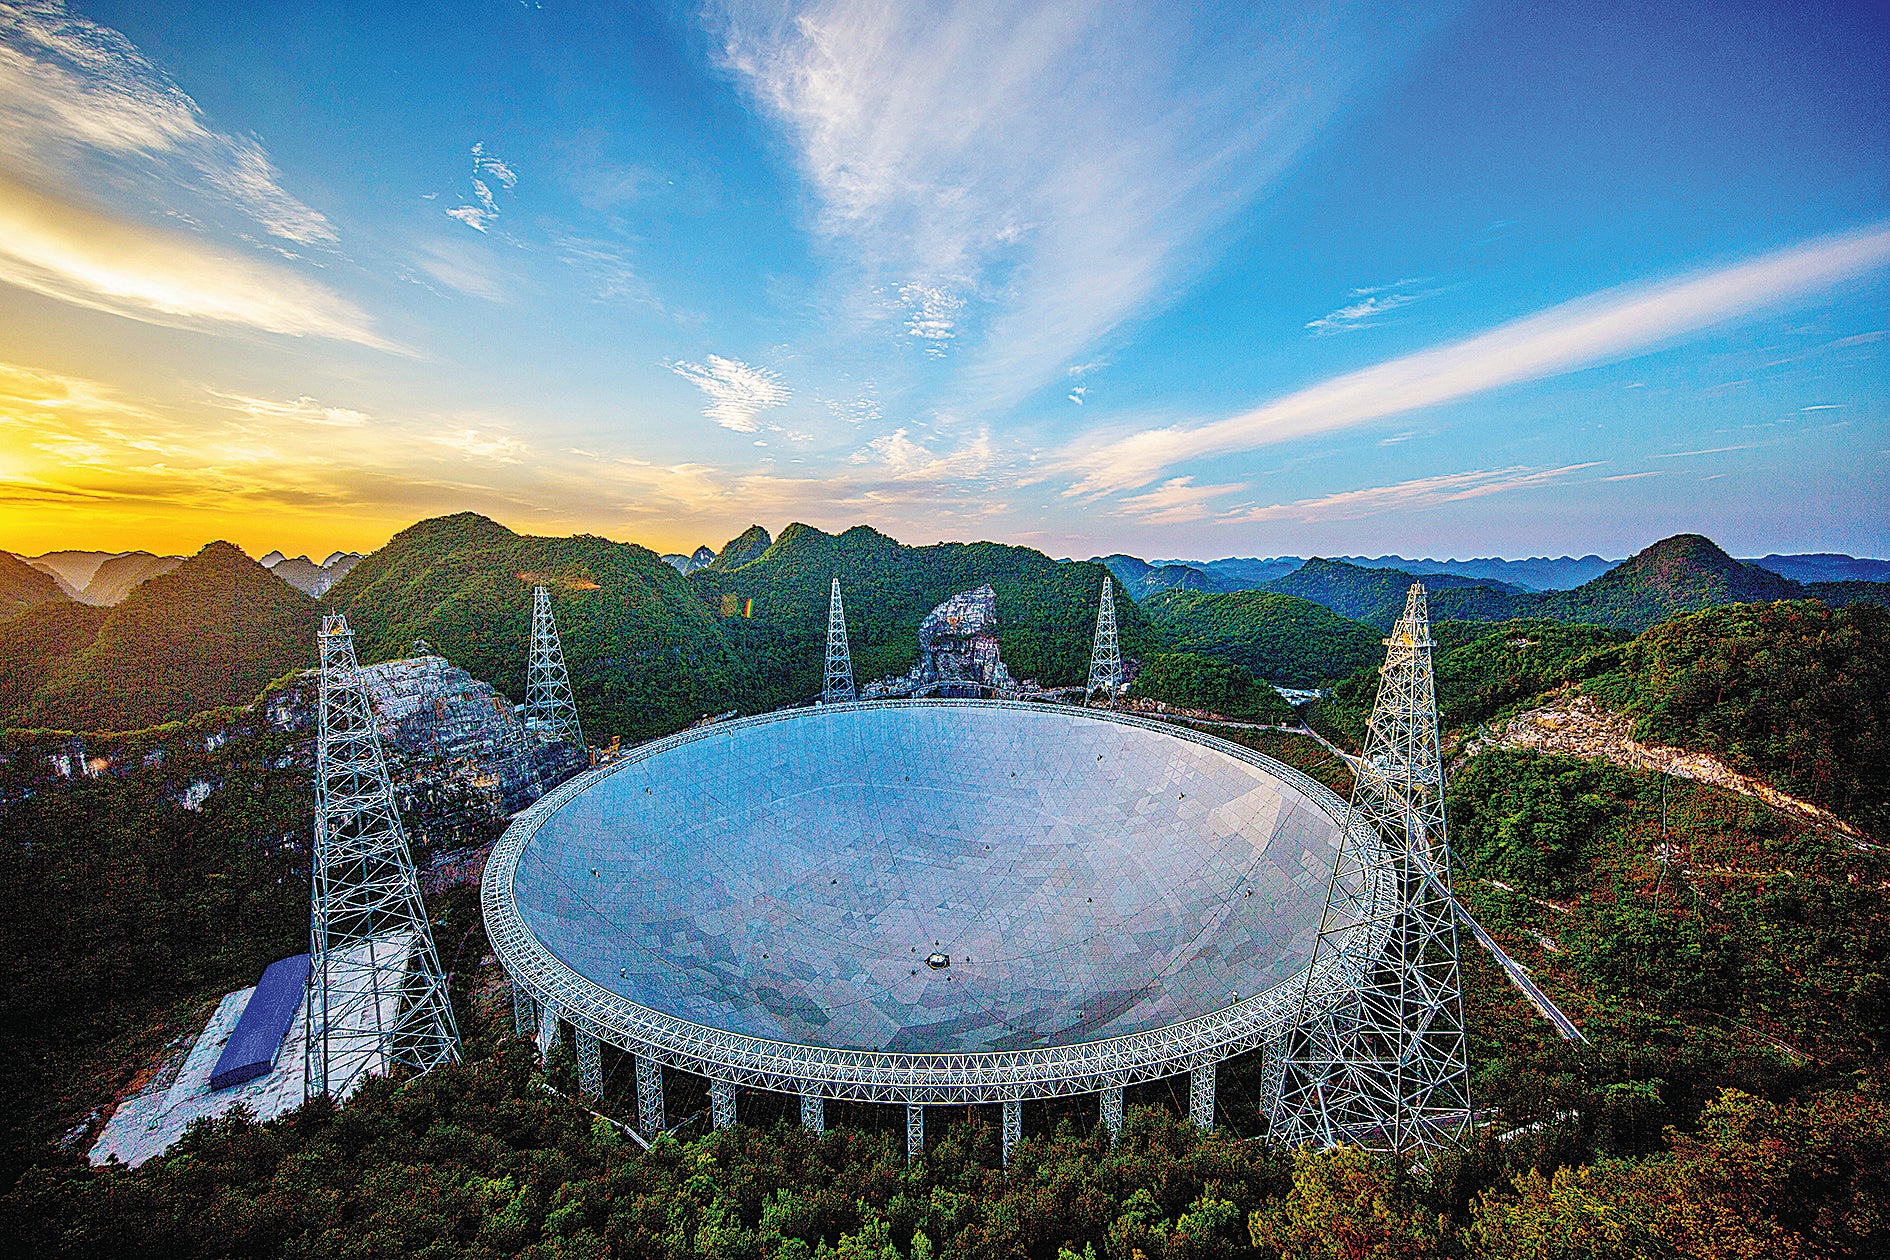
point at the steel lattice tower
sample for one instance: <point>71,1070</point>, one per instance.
<point>1385,1065</point>
<point>1105,655</point>
<point>377,995</point>
<point>549,704</point>
<point>837,687</point>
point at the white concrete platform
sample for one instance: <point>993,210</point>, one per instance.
<point>151,1123</point>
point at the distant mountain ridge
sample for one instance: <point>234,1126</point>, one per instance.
<point>1140,579</point>
<point>308,577</point>
<point>22,585</point>
<point>215,630</point>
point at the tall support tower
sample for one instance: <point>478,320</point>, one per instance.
<point>549,705</point>
<point>377,995</point>
<point>1385,1065</point>
<point>838,686</point>
<point>1105,654</point>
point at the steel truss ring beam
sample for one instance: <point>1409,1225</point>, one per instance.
<point>881,1076</point>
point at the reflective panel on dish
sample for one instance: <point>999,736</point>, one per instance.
<point>790,880</point>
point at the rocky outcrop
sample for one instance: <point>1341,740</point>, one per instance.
<point>1574,725</point>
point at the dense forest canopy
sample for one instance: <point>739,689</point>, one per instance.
<point>213,631</point>
<point>1281,638</point>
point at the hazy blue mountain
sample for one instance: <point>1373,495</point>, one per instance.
<point>1825,566</point>
<point>1140,579</point>
<point>1539,573</point>
<point>1239,573</point>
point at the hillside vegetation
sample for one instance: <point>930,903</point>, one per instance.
<point>213,631</point>
<point>1373,596</point>
<point>1796,693</point>
<point>22,585</point>
<point>1281,638</point>
<point>1189,681</point>
<point>1046,610</point>
<point>645,656</point>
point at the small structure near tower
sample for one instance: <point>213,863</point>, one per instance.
<point>837,688</point>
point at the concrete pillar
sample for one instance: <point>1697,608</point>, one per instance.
<point>547,1028</point>
<point>1112,1110</point>
<point>649,1096</point>
<point>524,1011</point>
<point>1201,1096</point>
<point>814,1114</point>
<point>722,1103</point>
<point>1013,1127</point>
<point>590,1054</point>
<point>915,1131</point>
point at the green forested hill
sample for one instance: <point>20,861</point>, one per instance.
<point>1046,610</point>
<point>1480,670</point>
<point>1794,692</point>
<point>1374,596</point>
<point>22,586</point>
<point>1281,638</point>
<point>1684,573</point>
<point>1210,683</point>
<point>645,656</point>
<point>213,631</point>
<point>34,642</point>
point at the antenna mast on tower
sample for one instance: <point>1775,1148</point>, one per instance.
<point>549,704</point>
<point>1105,655</point>
<point>377,995</point>
<point>837,687</point>
<point>1379,1060</point>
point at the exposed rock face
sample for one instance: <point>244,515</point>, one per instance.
<point>458,754</point>
<point>1575,725</point>
<point>958,645</point>
<point>701,558</point>
<point>460,760</point>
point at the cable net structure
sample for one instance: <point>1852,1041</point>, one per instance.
<point>377,995</point>
<point>550,708</point>
<point>837,687</point>
<point>1386,1067</point>
<point>1105,654</point>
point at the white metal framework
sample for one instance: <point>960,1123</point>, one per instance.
<point>1105,654</point>
<point>1387,1067</point>
<point>887,1076</point>
<point>377,995</point>
<point>550,707</point>
<point>837,687</point>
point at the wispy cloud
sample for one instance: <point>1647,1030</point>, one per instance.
<point>1611,325</point>
<point>1709,450</point>
<point>76,255</point>
<point>73,92</point>
<point>1404,496</point>
<point>303,409</point>
<point>1368,308</point>
<point>737,391</point>
<point>932,314</point>
<point>904,459</point>
<point>1043,152</point>
<point>498,448</point>
<point>1177,501</point>
<point>483,210</point>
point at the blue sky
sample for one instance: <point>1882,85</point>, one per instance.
<point>1201,280</point>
